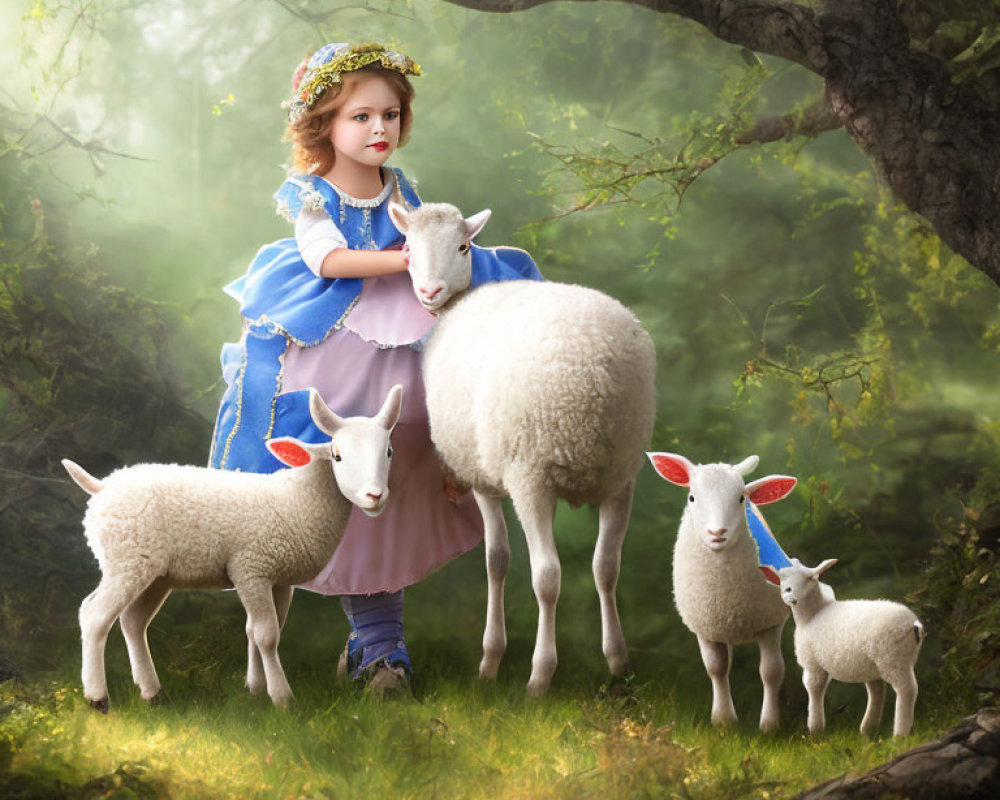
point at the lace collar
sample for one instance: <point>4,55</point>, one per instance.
<point>388,178</point>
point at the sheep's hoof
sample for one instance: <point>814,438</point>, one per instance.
<point>101,705</point>
<point>158,699</point>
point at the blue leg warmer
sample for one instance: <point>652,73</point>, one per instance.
<point>377,629</point>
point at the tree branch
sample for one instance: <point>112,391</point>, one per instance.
<point>814,120</point>
<point>775,27</point>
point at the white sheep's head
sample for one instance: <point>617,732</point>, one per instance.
<point>359,450</point>
<point>717,495</point>
<point>439,240</point>
<point>799,581</point>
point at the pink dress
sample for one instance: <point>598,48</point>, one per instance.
<point>421,528</point>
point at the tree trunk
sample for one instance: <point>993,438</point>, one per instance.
<point>964,765</point>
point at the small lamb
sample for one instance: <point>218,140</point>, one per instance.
<point>157,527</point>
<point>721,589</point>
<point>536,391</point>
<point>856,641</point>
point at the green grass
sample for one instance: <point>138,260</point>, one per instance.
<point>459,740</point>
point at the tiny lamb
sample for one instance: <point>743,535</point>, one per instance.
<point>157,527</point>
<point>856,641</point>
<point>536,391</point>
<point>720,588</point>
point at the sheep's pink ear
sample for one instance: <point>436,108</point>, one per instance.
<point>770,489</point>
<point>399,215</point>
<point>475,223</point>
<point>672,467</point>
<point>290,452</point>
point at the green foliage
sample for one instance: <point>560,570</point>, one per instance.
<point>960,594</point>
<point>84,374</point>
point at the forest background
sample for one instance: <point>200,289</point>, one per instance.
<point>799,312</point>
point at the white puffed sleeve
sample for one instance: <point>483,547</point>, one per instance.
<point>317,236</point>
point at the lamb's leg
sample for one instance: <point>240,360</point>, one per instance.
<point>264,632</point>
<point>873,713</point>
<point>772,673</point>
<point>135,620</point>
<point>614,517</point>
<point>536,511</point>
<point>282,602</point>
<point>98,613</point>
<point>256,680</point>
<point>497,561</point>
<point>718,658</point>
<point>816,680</point>
<point>905,687</point>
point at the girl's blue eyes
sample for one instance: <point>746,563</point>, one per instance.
<point>364,117</point>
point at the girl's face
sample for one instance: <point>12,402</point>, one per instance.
<point>365,129</point>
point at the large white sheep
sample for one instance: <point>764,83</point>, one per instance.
<point>720,588</point>
<point>536,391</point>
<point>873,642</point>
<point>157,527</point>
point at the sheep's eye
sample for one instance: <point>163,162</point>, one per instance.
<point>336,455</point>
<point>690,498</point>
<point>388,452</point>
<point>463,248</point>
<point>741,498</point>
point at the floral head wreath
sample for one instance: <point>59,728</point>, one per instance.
<point>324,68</point>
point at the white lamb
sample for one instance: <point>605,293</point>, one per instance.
<point>856,641</point>
<point>536,391</point>
<point>720,590</point>
<point>157,527</point>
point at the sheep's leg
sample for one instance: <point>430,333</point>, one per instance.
<point>135,620</point>
<point>905,687</point>
<point>718,659</point>
<point>614,516</point>
<point>536,512</point>
<point>256,680</point>
<point>98,613</point>
<point>772,673</point>
<point>873,712</point>
<point>816,680</point>
<point>264,632</point>
<point>497,561</point>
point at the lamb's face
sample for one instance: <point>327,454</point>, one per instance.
<point>796,584</point>
<point>359,450</point>
<point>798,581</point>
<point>439,240</point>
<point>716,505</point>
<point>360,454</point>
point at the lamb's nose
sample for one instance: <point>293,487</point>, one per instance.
<point>376,496</point>
<point>430,294</point>
<point>718,534</point>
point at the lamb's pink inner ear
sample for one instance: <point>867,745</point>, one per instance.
<point>671,469</point>
<point>772,490</point>
<point>289,452</point>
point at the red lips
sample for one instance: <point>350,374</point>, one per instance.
<point>380,146</point>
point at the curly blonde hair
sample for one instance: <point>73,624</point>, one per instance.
<point>312,150</point>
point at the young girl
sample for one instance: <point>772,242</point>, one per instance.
<point>333,308</point>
